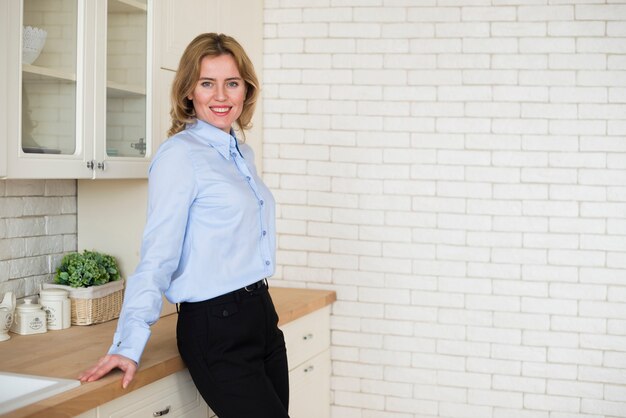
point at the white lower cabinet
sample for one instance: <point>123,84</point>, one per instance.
<point>172,396</point>
<point>309,386</point>
<point>308,350</point>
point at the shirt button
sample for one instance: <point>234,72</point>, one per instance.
<point>248,178</point>
<point>261,202</point>
<point>225,313</point>
<point>267,263</point>
<point>264,233</point>
<point>234,154</point>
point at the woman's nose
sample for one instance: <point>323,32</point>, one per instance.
<point>220,93</point>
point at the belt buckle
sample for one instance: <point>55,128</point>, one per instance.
<point>254,286</point>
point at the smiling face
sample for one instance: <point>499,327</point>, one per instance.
<point>219,93</point>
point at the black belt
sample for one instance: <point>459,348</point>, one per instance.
<point>253,288</point>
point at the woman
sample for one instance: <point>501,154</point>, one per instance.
<point>209,244</point>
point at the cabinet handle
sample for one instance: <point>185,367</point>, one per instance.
<point>139,146</point>
<point>307,337</point>
<point>101,165</point>
<point>162,412</point>
<point>90,165</point>
<point>309,369</point>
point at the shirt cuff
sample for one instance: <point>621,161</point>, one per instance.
<point>131,345</point>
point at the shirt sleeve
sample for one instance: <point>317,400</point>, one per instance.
<point>172,188</point>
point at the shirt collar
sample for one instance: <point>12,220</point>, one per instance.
<point>224,143</point>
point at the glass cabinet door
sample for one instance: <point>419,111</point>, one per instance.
<point>78,96</point>
<point>126,69</point>
<point>49,86</point>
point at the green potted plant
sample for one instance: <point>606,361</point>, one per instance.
<point>95,287</point>
<point>90,268</point>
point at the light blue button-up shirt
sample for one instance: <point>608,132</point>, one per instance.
<point>210,229</point>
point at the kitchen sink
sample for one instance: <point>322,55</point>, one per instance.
<point>18,390</point>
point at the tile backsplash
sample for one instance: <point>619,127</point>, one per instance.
<point>37,226</point>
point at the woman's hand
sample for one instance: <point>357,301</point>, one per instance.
<point>108,363</point>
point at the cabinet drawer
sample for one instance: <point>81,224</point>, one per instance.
<point>175,393</point>
<point>309,388</point>
<point>307,336</point>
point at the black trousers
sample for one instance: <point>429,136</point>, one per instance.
<point>236,354</point>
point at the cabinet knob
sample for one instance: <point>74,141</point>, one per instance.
<point>309,369</point>
<point>90,165</point>
<point>101,165</point>
<point>161,412</point>
<point>307,337</point>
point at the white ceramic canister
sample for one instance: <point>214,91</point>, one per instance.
<point>57,305</point>
<point>29,318</point>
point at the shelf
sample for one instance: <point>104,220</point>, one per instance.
<point>127,6</point>
<point>34,72</point>
<point>124,90</point>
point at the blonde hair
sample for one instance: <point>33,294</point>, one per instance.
<point>188,74</point>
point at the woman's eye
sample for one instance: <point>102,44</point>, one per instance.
<point>206,84</point>
<point>233,84</point>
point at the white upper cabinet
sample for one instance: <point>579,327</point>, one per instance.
<point>94,103</point>
<point>82,106</point>
<point>183,20</point>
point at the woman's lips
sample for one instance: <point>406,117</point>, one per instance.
<point>220,111</point>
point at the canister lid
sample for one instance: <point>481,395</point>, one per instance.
<point>28,305</point>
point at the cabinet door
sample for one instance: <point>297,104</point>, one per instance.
<point>181,21</point>
<point>50,88</point>
<point>162,122</point>
<point>309,388</point>
<point>4,35</point>
<point>307,336</point>
<point>124,74</point>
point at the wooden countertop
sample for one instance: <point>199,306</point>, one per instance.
<point>66,353</point>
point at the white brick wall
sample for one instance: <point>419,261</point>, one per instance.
<point>37,226</point>
<point>456,171</point>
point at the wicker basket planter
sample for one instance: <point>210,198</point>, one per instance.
<point>95,304</point>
